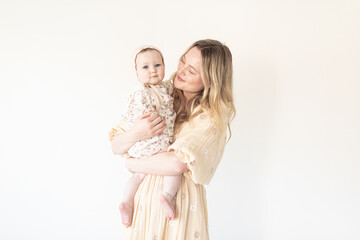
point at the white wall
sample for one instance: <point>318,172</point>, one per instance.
<point>291,170</point>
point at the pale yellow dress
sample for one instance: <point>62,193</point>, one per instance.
<point>201,146</point>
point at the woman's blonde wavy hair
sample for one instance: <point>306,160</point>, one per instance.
<point>216,97</point>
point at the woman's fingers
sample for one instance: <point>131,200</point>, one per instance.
<point>160,131</point>
<point>159,127</point>
<point>157,121</point>
<point>146,115</point>
<point>153,115</point>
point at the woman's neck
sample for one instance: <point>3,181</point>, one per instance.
<point>188,96</point>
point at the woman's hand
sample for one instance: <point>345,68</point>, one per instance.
<point>147,126</point>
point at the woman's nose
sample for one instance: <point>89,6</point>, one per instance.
<point>181,71</point>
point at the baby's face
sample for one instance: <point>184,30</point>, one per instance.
<point>150,68</point>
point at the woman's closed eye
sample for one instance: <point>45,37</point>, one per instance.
<point>183,62</point>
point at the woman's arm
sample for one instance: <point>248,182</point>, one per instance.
<point>145,127</point>
<point>121,143</point>
<point>163,163</point>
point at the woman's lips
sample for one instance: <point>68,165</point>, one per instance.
<point>180,79</point>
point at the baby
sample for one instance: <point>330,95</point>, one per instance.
<point>153,95</point>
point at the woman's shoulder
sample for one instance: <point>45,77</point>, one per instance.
<point>201,120</point>
<point>206,116</point>
<point>202,115</point>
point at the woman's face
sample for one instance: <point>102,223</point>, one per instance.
<point>188,76</point>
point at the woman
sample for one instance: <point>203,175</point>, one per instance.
<point>204,105</point>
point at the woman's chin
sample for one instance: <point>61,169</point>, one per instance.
<point>176,84</point>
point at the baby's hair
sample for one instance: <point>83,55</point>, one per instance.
<point>154,92</point>
<point>147,49</point>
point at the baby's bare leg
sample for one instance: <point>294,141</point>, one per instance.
<point>170,187</point>
<point>126,207</point>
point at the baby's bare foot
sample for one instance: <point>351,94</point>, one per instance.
<point>169,208</point>
<point>126,213</point>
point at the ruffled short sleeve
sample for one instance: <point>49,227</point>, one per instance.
<point>120,128</point>
<point>201,146</point>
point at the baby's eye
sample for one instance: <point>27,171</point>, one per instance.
<point>158,65</point>
<point>145,67</point>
